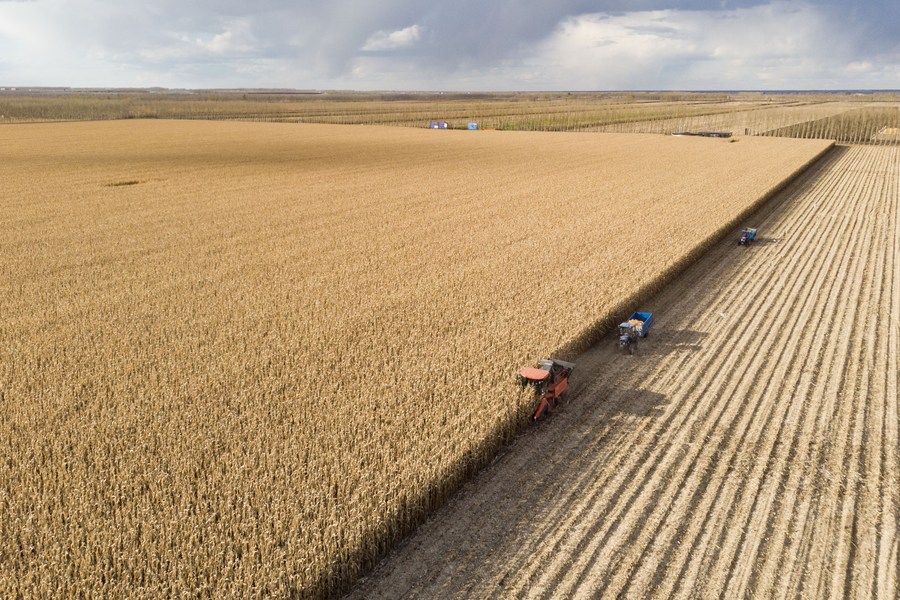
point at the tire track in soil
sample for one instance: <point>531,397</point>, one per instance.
<point>826,391</point>
<point>705,501</point>
<point>779,547</point>
<point>549,569</point>
<point>855,457</point>
<point>752,530</point>
<point>734,429</point>
<point>691,469</point>
<point>859,304</point>
<point>826,542</point>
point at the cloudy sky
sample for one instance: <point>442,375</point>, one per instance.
<point>452,44</point>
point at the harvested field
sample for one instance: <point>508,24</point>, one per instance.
<point>524,111</point>
<point>758,119</point>
<point>822,115</point>
<point>243,359</point>
<point>749,450</point>
<point>861,125</point>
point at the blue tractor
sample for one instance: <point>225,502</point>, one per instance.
<point>637,326</point>
<point>748,234</point>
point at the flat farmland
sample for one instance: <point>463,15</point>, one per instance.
<point>828,115</point>
<point>749,450</point>
<point>757,120</point>
<point>244,359</point>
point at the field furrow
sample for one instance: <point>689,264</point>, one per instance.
<point>797,458</point>
<point>780,555</point>
<point>763,378</point>
<point>662,448</point>
<point>817,273</point>
<point>740,463</point>
<point>753,528</point>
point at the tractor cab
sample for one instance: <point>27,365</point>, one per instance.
<point>548,380</point>
<point>748,234</point>
<point>637,326</point>
<point>536,378</point>
<point>627,329</point>
<point>628,336</point>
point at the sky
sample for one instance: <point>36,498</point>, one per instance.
<point>452,45</point>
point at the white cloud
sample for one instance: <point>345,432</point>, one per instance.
<point>788,44</point>
<point>235,41</point>
<point>463,45</point>
<point>859,67</point>
<point>394,40</point>
<point>237,37</point>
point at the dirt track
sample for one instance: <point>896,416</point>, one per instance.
<point>749,449</point>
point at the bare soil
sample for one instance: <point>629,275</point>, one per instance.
<point>749,449</point>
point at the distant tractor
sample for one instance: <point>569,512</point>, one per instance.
<point>637,326</point>
<point>549,380</point>
<point>748,234</point>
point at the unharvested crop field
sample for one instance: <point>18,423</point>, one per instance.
<point>860,125</point>
<point>820,120</point>
<point>749,450</point>
<point>822,115</point>
<point>243,359</point>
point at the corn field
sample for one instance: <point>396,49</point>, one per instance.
<point>244,359</point>
<point>808,115</point>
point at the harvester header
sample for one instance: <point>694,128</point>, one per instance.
<point>550,379</point>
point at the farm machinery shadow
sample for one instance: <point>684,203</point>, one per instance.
<point>666,342</point>
<point>766,241</point>
<point>551,474</point>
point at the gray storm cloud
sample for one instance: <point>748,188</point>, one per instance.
<point>400,42</point>
<point>332,33</point>
<point>453,34</point>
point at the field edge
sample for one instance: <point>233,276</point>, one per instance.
<point>484,454</point>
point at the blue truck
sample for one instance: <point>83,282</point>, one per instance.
<point>637,326</point>
<point>748,234</point>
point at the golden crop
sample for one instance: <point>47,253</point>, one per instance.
<point>838,116</point>
<point>243,359</point>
